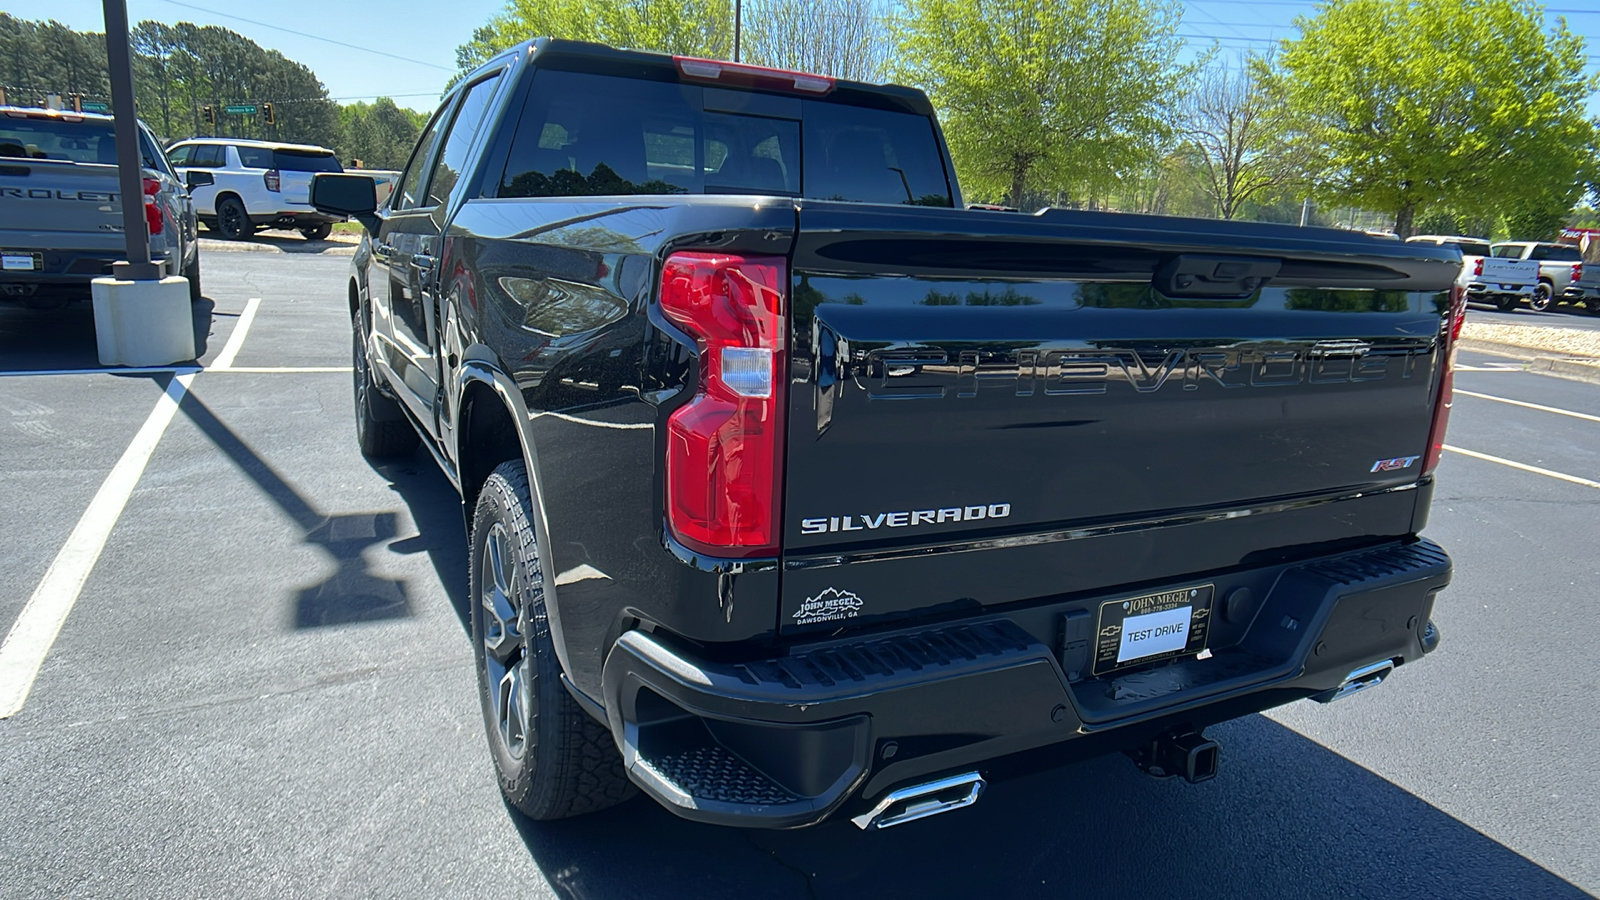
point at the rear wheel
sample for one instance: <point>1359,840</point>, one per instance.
<point>552,759</point>
<point>381,428</point>
<point>1542,296</point>
<point>233,223</point>
<point>1506,302</point>
<point>318,232</point>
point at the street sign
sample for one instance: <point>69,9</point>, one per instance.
<point>96,106</point>
<point>240,109</point>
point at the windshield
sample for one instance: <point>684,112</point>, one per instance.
<point>585,134</point>
<point>50,138</point>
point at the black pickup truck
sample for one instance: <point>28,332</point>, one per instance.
<point>796,490</point>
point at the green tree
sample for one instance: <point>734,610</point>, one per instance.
<point>1404,105</point>
<point>380,134</point>
<point>1066,95</point>
<point>690,27</point>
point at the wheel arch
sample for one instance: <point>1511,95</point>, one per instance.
<point>491,427</point>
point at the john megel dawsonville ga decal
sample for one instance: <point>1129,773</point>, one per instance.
<point>828,606</point>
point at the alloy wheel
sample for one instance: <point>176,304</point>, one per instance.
<point>505,647</point>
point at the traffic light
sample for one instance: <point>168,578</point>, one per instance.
<point>209,113</point>
<point>268,115</point>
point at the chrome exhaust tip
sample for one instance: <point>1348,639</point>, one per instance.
<point>1357,681</point>
<point>923,800</point>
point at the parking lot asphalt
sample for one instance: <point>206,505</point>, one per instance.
<point>1558,317</point>
<point>265,687</point>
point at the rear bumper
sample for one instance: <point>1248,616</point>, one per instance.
<point>788,741</point>
<point>1478,288</point>
<point>65,272</point>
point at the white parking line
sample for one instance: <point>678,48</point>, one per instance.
<point>224,359</point>
<point>1524,467</point>
<point>31,636</point>
<point>1548,409</point>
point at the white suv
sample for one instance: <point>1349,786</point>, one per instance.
<point>259,184</point>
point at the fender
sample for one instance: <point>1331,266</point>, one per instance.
<point>478,365</point>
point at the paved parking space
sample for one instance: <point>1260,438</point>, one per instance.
<point>265,687</point>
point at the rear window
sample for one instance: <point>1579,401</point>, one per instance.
<point>1470,248</point>
<point>1557,253</point>
<point>1508,251</point>
<point>584,134</point>
<point>288,160</point>
<point>83,141</point>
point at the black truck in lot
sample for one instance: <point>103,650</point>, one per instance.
<point>797,491</point>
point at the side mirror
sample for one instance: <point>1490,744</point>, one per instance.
<point>194,180</point>
<point>346,196</point>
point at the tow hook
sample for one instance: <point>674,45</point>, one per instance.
<point>1189,754</point>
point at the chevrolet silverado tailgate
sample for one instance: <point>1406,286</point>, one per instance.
<point>1116,392</point>
<point>41,196</point>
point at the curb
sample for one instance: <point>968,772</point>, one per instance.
<point>210,245</point>
<point>1570,369</point>
<point>1574,368</point>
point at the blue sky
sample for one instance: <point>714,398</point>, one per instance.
<point>425,40</point>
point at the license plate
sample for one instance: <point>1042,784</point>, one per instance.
<point>1152,627</point>
<point>20,262</point>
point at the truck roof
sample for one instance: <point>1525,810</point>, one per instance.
<point>248,142</point>
<point>64,114</point>
<point>584,56</point>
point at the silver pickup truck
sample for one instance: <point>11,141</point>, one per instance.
<point>1506,283</point>
<point>61,209</point>
<point>1563,275</point>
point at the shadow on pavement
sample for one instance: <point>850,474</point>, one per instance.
<point>353,593</point>
<point>49,339</point>
<point>285,241</point>
<point>1285,818</point>
<point>436,509</point>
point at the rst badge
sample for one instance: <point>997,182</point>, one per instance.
<point>1394,465</point>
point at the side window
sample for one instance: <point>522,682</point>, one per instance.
<point>453,156</point>
<point>409,193</point>
<point>255,157</point>
<point>180,155</point>
<point>208,156</point>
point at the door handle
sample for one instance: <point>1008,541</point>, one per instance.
<point>423,262</point>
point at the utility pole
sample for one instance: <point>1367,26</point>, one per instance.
<point>738,21</point>
<point>125,121</point>
<point>1305,213</point>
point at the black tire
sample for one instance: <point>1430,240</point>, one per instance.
<point>551,759</point>
<point>1505,302</point>
<point>318,232</point>
<point>1543,294</point>
<point>193,274</point>
<point>381,428</point>
<point>233,223</point>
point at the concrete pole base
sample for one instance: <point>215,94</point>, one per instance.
<point>143,323</point>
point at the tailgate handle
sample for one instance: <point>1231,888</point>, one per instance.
<point>1208,277</point>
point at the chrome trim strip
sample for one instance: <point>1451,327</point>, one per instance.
<point>1074,534</point>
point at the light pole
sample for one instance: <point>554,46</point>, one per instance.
<point>738,21</point>
<point>125,121</point>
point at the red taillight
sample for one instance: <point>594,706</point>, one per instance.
<point>753,76</point>
<point>725,446</point>
<point>1450,333</point>
<point>270,177</point>
<point>1477,267</point>
<point>1577,272</point>
<point>153,219</point>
